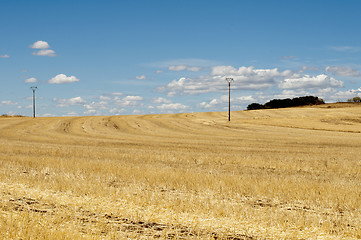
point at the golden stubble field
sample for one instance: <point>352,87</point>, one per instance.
<point>267,174</point>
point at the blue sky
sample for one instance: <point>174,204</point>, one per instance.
<point>143,57</point>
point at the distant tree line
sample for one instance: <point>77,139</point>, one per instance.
<point>6,116</point>
<point>285,103</point>
<point>355,99</point>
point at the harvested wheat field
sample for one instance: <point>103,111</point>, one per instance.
<point>268,174</point>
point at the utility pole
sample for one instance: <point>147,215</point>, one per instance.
<point>34,89</point>
<point>229,80</point>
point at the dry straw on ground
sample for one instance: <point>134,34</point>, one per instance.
<point>268,174</point>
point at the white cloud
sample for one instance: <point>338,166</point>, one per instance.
<point>223,101</point>
<point>306,81</point>
<point>4,56</point>
<point>44,49</point>
<point>31,80</point>
<point>69,102</point>
<point>172,106</point>
<point>104,98</point>
<point>45,52</point>
<point>40,45</point>
<point>117,94</point>
<point>211,104</point>
<point>331,94</point>
<point>161,100</point>
<point>9,102</point>
<point>205,105</point>
<point>287,93</point>
<point>183,67</point>
<point>96,105</point>
<point>128,101</point>
<point>133,98</point>
<point>158,71</point>
<point>248,73</point>
<point>342,71</point>
<point>242,99</point>
<point>244,78</point>
<point>140,77</point>
<point>62,78</point>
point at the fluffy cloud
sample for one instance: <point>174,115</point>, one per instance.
<point>342,71</point>
<point>44,49</point>
<point>128,101</point>
<point>133,98</point>
<point>69,102</point>
<point>140,77</point>
<point>248,73</point>
<point>243,99</point>
<point>161,100</point>
<point>287,93</point>
<point>40,45</point>
<point>96,105</point>
<point>223,101</point>
<point>172,106</point>
<point>45,52</point>
<point>246,78</point>
<point>331,94</point>
<point>62,78</point>
<point>211,104</point>
<point>306,81</point>
<point>104,98</point>
<point>4,56</point>
<point>182,67</point>
<point>31,80</point>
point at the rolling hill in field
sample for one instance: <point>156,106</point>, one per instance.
<point>268,174</point>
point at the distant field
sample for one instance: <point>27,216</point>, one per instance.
<point>268,174</point>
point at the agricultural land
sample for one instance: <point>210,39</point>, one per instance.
<point>290,173</point>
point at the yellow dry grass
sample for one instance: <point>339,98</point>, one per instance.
<point>267,174</point>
